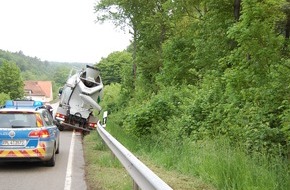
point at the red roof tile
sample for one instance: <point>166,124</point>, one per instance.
<point>39,88</point>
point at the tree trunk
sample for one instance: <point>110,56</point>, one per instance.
<point>237,9</point>
<point>287,27</point>
<point>134,56</point>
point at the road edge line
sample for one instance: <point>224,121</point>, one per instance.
<point>68,177</point>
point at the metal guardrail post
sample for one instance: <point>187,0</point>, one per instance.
<point>135,186</point>
<point>143,177</point>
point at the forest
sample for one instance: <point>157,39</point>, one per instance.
<point>204,70</point>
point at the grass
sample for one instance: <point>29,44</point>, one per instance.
<point>103,171</point>
<point>225,167</point>
<point>203,165</point>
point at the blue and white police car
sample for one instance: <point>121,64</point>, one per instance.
<point>28,133</point>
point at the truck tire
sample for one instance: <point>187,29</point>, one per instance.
<point>60,127</point>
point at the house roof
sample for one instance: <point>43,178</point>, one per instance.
<point>38,88</point>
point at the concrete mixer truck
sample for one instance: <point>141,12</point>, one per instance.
<point>79,98</point>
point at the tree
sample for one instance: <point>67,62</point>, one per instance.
<point>11,82</point>
<point>111,66</point>
<point>149,22</point>
<point>123,13</point>
<point>233,53</point>
<point>61,75</point>
<point>3,98</point>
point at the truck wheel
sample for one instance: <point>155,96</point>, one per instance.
<point>60,127</point>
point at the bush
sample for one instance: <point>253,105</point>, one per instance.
<point>111,98</point>
<point>3,98</point>
<point>151,117</point>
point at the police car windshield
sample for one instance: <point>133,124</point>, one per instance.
<point>17,120</point>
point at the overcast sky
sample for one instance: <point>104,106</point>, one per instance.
<point>58,30</point>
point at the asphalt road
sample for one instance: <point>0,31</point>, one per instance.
<point>67,174</point>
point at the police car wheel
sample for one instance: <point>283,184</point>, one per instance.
<point>57,150</point>
<point>51,162</point>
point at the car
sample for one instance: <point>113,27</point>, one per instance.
<point>28,133</point>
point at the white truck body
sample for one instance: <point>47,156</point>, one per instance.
<point>80,97</point>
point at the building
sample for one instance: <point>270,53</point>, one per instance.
<point>38,90</point>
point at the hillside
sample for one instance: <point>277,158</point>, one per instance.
<point>32,68</point>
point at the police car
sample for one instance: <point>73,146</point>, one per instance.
<point>28,133</point>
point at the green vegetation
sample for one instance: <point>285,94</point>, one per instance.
<point>215,162</point>
<point>207,90</point>
<point>202,91</point>
<point>11,82</point>
<point>17,67</point>
<point>184,163</point>
<point>102,170</point>
<point>111,66</point>
<point>3,98</point>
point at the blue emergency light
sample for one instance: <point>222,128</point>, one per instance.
<point>22,103</point>
<point>37,104</point>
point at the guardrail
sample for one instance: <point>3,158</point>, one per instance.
<point>142,176</point>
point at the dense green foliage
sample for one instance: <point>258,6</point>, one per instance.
<point>11,82</point>
<point>31,68</point>
<point>215,161</point>
<point>111,66</point>
<point>3,98</point>
<point>206,69</point>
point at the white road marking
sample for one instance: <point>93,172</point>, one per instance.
<point>68,177</point>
